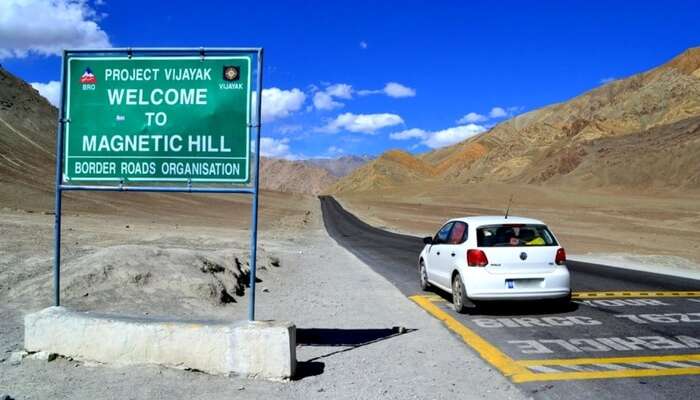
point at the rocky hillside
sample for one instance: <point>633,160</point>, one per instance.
<point>293,176</point>
<point>392,168</point>
<point>340,166</point>
<point>546,144</point>
<point>27,135</point>
<point>639,132</point>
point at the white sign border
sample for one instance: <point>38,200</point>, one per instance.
<point>67,86</point>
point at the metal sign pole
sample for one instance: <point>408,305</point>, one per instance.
<point>254,217</point>
<point>57,207</point>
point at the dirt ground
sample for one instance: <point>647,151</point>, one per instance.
<point>187,258</point>
<point>587,222</point>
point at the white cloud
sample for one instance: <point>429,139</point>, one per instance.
<point>278,103</point>
<point>324,101</point>
<point>441,138</point>
<point>340,90</point>
<point>453,135</point>
<point>47,27</point>
<point>334,151</point>
<point>289,128</point>
<point>472,117</point>
<point>495,113</point>
<point>394,89</point>
<point>414,133</point>
<point>277,148</point>
<point>515,110</point>
<point>366,92</point>
<point>364,123</point>
<point>391,89</point>
<point>498,112</point>
<point>363,44</point>
<point>607,80</point>
<point>50,90</point>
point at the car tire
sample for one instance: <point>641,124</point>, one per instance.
<point>459,294</point>
<point>424,283</point>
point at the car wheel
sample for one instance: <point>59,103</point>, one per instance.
<point>424,284</point>
<point>459,294</point>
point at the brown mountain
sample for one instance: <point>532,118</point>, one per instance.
<point>293,176</point>
<point>393,168</point>
<point>638,132</point>
<point>340,166</point>
<point>27,135</point>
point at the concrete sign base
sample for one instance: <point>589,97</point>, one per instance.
<point>257,349</point>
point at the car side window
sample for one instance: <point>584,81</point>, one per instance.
<point>443,233</point>
<point>458,234</point>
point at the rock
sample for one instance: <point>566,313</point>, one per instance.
<point>265,290</point>
<point>399,329</point>
<point>42,356</point>
<point>275,261</point>
<point>17,356</point>
<point>6,397</point>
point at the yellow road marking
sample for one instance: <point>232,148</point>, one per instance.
<point>488,352</point>
<point>649,293</point>
<point>517,369</point>
<point>433,297</point>
<point>623,373</point>
<point>609,360</point>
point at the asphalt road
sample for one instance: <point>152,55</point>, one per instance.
<point>628,334</point>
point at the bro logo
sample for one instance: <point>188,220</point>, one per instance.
<point>88,80</point>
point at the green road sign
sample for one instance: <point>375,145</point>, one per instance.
<point>157,119</point>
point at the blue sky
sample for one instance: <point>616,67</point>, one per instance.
<point>361,77</point>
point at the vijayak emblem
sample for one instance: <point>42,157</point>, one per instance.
<point>231,73</point>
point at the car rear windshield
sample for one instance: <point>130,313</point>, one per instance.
<point>509,235</point>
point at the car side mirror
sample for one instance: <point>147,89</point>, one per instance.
<point>428,240</point>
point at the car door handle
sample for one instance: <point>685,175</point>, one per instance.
<point>453,254</point>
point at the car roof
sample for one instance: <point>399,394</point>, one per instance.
<point>497,219</point>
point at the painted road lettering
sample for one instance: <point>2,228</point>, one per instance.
<point>623,302</point>
<point>580,345</point>
<point>545,322</point>
<point>670,318</point>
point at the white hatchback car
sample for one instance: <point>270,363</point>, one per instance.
<point>495,258</point>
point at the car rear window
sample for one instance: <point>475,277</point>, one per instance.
<point>510,235</point>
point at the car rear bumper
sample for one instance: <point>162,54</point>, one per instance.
<point>481,285</point>
<point>539,295</point>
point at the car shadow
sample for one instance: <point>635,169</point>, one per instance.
<point>513,307</point>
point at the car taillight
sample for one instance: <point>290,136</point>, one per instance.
<point>560,259</point>
<point>476,258</point>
